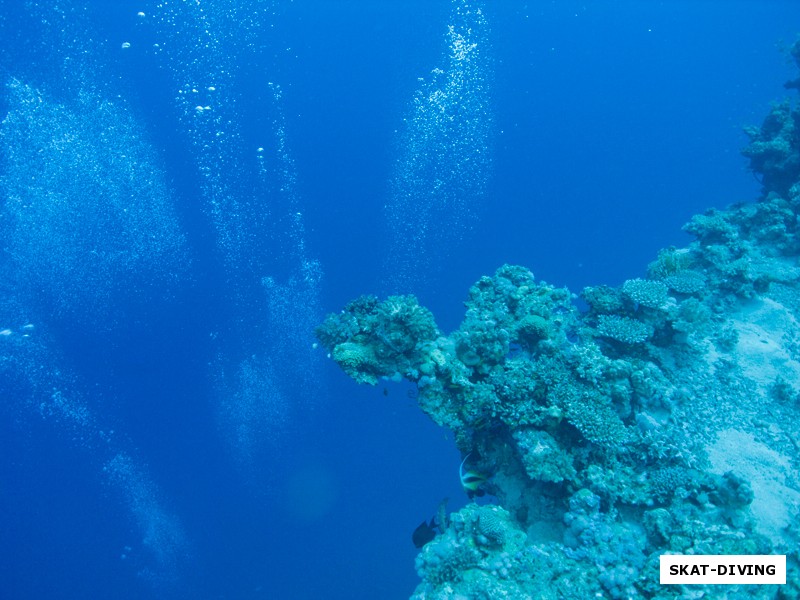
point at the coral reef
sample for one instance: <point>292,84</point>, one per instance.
<point>662,418</point>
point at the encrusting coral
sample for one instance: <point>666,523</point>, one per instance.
<point>624,431</point>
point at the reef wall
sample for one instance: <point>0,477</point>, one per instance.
<point>660,416</point>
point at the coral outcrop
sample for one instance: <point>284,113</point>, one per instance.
<point>664,417</point>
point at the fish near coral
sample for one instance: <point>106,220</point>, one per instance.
<point>424,533</point>
<point>471,480</point>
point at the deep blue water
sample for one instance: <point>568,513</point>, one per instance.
<point>191,443</point>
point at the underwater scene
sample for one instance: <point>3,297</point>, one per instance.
<point>431,299</point>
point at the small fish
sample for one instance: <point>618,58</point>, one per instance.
<point>471,481</point>
<point>424,533</point>
<point>442,514</point>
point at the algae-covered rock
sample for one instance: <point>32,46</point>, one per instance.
<point>773,148</point>
<point>543,457</point>
<point>475,555</point>
<point>370,339</point>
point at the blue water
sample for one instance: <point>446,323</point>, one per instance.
<point>168,430</point>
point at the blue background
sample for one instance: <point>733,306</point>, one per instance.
<point>614,123</point>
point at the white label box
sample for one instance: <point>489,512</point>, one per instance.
<point>725,569</point>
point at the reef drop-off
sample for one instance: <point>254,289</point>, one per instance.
<point>661,417</point>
